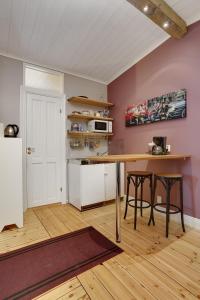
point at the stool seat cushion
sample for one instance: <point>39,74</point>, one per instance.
<point>169,175</point>
<point>139,173</point>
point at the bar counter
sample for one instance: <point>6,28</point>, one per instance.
<point>130,158</point>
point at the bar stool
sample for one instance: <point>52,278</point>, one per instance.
<point>138,178</point>
<point>168,180</point>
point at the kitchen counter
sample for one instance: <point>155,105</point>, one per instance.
<point>136,157</point>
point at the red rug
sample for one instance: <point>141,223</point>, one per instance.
<point>30,271</point>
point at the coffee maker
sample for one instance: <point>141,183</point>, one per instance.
<point>160,145</point>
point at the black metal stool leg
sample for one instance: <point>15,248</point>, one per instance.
<point>136,196</point>
<point>141,196</point>
<point>127,195</point>
<point>181,204</point>
<point>153,192</point>
<point>167,207</point>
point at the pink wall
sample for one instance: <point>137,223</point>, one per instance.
<point>172,66</point>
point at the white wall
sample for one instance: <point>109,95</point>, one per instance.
<point>11,77</point>
<point>77,86</point>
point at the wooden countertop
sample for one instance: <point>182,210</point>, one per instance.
<point>136,157</point>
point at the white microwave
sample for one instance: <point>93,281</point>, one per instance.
<point>100,126</point>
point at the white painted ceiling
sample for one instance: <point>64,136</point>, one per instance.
<point>96,39</point>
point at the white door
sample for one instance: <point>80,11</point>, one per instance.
<point>43,150</point>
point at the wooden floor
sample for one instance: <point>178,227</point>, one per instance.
<point>151,266</point>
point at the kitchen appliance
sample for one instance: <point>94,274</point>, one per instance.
<point>160,145</point>
<point>11,131</point>
<point>150,146</point>
<point>110,126</point>
<point>99,126</point>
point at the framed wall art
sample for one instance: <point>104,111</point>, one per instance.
<point>167,107</point>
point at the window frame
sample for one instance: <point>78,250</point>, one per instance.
<point>44,70</point>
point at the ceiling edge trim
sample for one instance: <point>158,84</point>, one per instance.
<point>140,57</point>
<point>29,61</point>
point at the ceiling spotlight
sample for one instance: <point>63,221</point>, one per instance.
<point>149,9</point>
<point>166,24</point>
<point>145,8</point>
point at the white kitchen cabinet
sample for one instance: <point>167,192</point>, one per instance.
<point>110,180</point>
<point>11,201</point>
<point>90,184</point>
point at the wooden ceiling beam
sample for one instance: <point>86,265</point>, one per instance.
<point>163,15</point>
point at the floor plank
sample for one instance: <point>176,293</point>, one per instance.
<point>151,266</point>
<point>77,294</point>
<point>53,225</point>
<point>115,287</point>
<point>60,290</point>
<point>93,286</point>
<point>134,287</point>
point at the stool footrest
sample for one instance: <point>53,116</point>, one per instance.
<point>139,200</point>
<point>178,210</point>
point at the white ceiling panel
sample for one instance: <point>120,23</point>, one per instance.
<point>5,18</point>
<point>91,38</point>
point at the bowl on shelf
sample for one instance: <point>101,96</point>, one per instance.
<point>85,113</point>
<point>75,112</point>
<point>97,114</point>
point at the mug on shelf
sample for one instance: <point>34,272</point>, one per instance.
<point>75,127</point>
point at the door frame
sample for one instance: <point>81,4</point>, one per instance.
<point>23,131</point>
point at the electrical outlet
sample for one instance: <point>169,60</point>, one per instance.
<point>159,199</point>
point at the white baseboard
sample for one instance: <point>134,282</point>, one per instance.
<point>188,220</point>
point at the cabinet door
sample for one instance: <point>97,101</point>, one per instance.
<point>74,184</point>
<point>11,202</point>
<point>92,184</point>
<point>110,180</point>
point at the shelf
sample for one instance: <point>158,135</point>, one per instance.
<point>91,102</point>
<point>87,118</point>
<point>82,134</point>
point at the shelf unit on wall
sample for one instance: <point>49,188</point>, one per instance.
<point>87,117</point>
<point>90,102</point>
<point>85,134</point>
<point>82,117</point>
<point>87,141</point>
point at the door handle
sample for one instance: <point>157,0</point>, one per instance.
<point>29,150</point>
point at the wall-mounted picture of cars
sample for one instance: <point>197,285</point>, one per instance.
<point>167,107</point>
